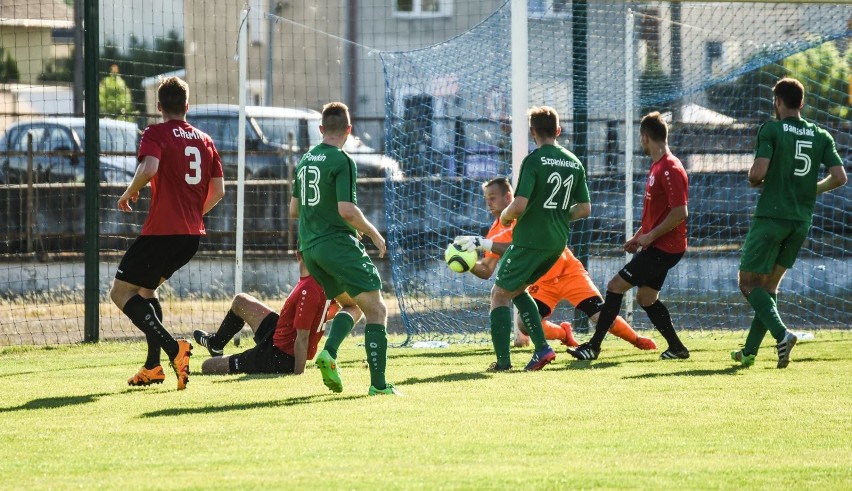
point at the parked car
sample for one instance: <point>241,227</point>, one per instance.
<point>276,136</point>
<point>58,150</point>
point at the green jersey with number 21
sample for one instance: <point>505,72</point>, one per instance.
<point>324,176</point>
<point>795,149</point>
<point>553,180</point>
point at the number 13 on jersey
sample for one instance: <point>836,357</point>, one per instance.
<point>309,178</point>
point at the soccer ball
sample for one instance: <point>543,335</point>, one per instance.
<point>459,260</point>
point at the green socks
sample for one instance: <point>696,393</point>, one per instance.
<point>376,345</point>
<point>766,311</point>
<point>501,335</point>
<point>528,311</point>
<point>340,328</point>
<point>757,332</point>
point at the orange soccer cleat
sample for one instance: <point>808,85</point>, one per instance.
<point>181,363</point>
<point>147,377</point>
<point>644,343</point>
<point>568,340</point>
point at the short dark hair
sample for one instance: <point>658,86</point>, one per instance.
<point>544,120</point>
<point>501,182</point>
<point>335,117</point>
<point>654,126</point>
<point>790,91</point>
<point>173,94</point>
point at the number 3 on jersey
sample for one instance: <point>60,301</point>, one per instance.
<point>194,165</point>
<point>558,183</point>
<point>309,178</point>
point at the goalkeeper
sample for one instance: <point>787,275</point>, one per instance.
<point>566,280</point>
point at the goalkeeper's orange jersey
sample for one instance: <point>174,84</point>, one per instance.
<point>562,267</point>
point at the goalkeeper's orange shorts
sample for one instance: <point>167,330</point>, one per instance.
<point>567,280</point>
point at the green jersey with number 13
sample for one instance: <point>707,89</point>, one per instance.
<point>324,176</point>
<point>795,149</point>
<point>553,180</point>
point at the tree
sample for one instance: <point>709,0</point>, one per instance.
<point>656,89</point>
<point>825,75</point>
<point>114,96</point>
<point>8,68</point>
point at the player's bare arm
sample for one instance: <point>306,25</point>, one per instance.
<point>144,173</point>
<point>352,215</point>
<point>294,208</point>
<point>580,211</point>
<point>672,220</point>
<point>515,209</point>
<point>632,245</point>
<point>300,351</point>
<point>836,178</point>
<point>215,193</point>
<point>757,173</point>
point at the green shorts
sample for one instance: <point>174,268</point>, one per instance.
<point>520,266</point>
<point>341,264</point>
<point>772,241</point>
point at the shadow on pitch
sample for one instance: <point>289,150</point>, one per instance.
<point>732,370</point>
<point>438,353</point>
<point>55,402</point>
<point>450,377</point>
<point>293,401</point>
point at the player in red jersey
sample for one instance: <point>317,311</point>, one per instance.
<point>284,342</point>
<point>185,173</point>
<point>661,238</point>
<point>566,280</point>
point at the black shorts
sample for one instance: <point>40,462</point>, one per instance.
<point>265,357</point>
<point>649,267</point>
<point>152,257</point>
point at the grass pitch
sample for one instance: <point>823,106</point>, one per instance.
<point>626,421</point>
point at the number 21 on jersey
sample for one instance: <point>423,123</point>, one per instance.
<point>309,178</point>
<point>556,180</point>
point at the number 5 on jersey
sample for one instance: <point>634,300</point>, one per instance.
<point>309,178</point>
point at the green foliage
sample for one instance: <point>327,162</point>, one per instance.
<point>656,89</point>
<point>61,70</point>
<point>825,75</point>
<point>626,421</point>
<point>140,61</point>
<point>115,98</point>
<point>8,68</point>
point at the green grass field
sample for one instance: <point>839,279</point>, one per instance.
<point>626,421</point>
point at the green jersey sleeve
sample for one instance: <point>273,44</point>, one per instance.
<point>345,182</point>
<point>830,157</point>
<point>526,178</point>
<point>766,138</point>
<point>582,193</point>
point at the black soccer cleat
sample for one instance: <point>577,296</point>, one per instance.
<point>584,352</point>
<point>203,338</point>
<point>495,368</point>
<point>673,354</point>
<point>784,348</point>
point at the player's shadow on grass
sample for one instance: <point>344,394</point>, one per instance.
<point>587,365</point>
<point>55,402</point>
<point>691,373</point>
<point>293,401</point>
<point>439,353</point>
<point>450,377</point>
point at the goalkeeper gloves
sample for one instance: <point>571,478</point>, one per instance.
<point>469,242</point>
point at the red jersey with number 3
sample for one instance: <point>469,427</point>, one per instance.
<point>667,187</point>
<point>188,159</point>
<point>306,309</point>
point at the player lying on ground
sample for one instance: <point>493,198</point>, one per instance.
<point>566,280</point>
<point>284,342</point>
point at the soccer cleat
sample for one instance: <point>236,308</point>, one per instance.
<point>495,368</point>
<point>568,340</point>
<point>203,338</point>
<point>744,360</point>
<point>147,377</point>
<point>784,348</point>
<point>585,352</point>
<point>540,359</point>
<point>181,363</point>
<point>645,344</point>
<point>389,390</point>
<point>671,354</point>
<point>329,371</point>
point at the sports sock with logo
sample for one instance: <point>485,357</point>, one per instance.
<point>767,312</point>
<point>143,316</point>
<point>341,326</point>
<point>757,332</point>
<point>153,341</point>
<point>376,345</point>
<point>609,311</point>
<point>230,326</point>
<point>621,329</point>
<point>501,334</point>
<point>662,320</point>
<point>528,312</point>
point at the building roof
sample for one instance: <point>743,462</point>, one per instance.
<point>36,13</point>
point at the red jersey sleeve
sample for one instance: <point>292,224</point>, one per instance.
<point>676,186</point>
<point>216,168</point>
<point>309,306</point>
<point>151,144</point>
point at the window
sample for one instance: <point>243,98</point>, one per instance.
<point>714,58</point>
<point>550,8</point>
<point>422,8</point>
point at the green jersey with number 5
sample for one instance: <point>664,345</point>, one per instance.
<point>324,176</point>
<point>795,149</point>
<point>553,180</point>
